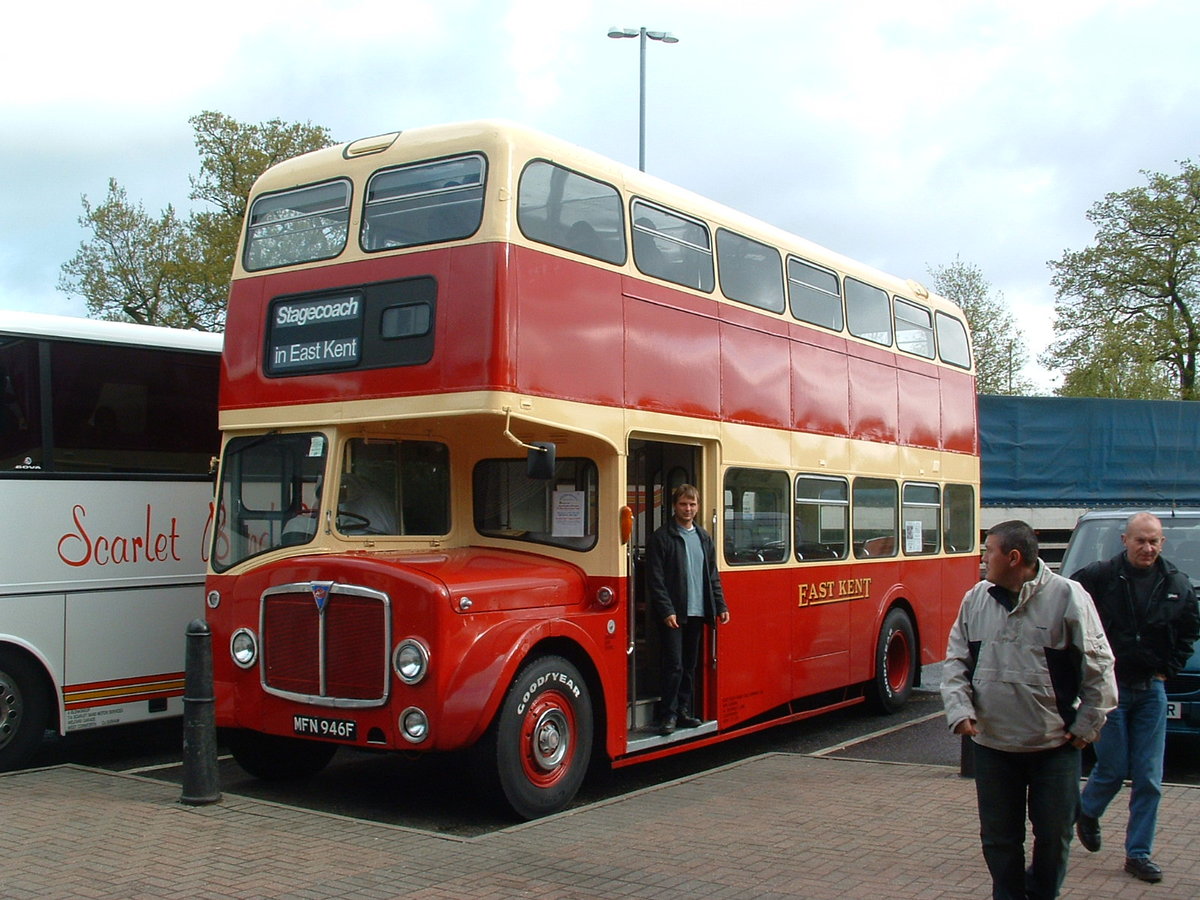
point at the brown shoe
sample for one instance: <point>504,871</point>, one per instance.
<point>1142,867</point>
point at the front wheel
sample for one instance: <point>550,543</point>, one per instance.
<point>24,710</point>
<point>274,758</point>
<point>895,663</point>
<point>541,741</point>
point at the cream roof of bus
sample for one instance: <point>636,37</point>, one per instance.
<point>99,331</point>
<point>521,143</point>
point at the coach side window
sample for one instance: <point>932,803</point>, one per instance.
<point>874,511</point>
<point>952,341</point>
<point>868,312</point>
<point>958,518</point>
<point>822,514</point>
<point>756,517</point>
<point>750,271</point>
<point>672,247</point>
<point>921,511</point>
<point>914,329</point>
<point>565,209</point>
<point>815,293</point>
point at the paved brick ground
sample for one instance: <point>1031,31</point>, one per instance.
<point>775,826</point>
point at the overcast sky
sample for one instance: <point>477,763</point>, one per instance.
<point>902,134</point>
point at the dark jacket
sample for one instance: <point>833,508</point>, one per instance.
<point>1153,641</point>
<point>666,580</point>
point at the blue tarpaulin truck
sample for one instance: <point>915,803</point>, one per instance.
<point>1047,460</point>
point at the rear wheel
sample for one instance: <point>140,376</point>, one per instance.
<point>895,663</point>
<point>274,758</point>
<point>24,710</point>
<point>541,741</point>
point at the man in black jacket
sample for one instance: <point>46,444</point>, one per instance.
<point>685,592</point>
<point>1149,612</point>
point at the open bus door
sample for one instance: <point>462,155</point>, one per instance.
<point>655,469</point>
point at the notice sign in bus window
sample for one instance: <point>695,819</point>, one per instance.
<point>315,334</point>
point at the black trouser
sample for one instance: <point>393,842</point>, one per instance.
<point>680,652</point>
<point>1043,784</point>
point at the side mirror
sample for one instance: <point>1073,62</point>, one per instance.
<point>539,461</point>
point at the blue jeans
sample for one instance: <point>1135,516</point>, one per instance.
<point>1131,746</point>
<point>1044,782</point>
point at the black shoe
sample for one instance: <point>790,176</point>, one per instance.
<point>1141,867</point>
<point>689,721</point>
<point>667,725</point>
<point>1087,828</point>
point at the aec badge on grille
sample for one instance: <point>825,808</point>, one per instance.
<point>320,592</point>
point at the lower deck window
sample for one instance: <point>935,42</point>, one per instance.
<point>561,511</point>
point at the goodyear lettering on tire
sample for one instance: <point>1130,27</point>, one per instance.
<point>538,683</point>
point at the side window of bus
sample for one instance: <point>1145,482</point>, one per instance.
<point>921,512</point>
<point>297,226</point>
<point>672,247</point>
<point>816,294</point>
<point>874,515</point>
<point>756,518</point>
<point>562,511</point>
<point>868,312</point>
<point>564,209</point>
<point>424,203</point>
<point>952,341</point>
<point>822,514</point>
<point>958,518</point>
<point>394,487</point>
<point>20,409</point>
<point>914,328</point>
<point>123,408</point>
<point>751,272</point>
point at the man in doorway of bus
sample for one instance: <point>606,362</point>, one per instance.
<point>685,593</point>
<point>1029,678</point>
<point>1150,615</point>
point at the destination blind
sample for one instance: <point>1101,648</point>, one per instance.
<point>315,335</point>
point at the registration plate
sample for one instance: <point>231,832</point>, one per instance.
<point>317,726</point>
<point>1174,709</point>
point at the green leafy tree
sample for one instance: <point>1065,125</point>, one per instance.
<point>998,344</point>
<point>1126,312</point>
<point>165,270</point>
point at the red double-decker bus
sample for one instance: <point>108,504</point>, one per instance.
<point>464,368</point>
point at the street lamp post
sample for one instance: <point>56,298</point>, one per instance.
<point>641,33</point>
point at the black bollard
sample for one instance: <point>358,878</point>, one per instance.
<point>966,758</point>
<point>200,781</point>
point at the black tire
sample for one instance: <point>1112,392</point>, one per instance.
<point>24,709</point>
<point>541,742</point>
<point>274,758</point>
<point>895,663</point>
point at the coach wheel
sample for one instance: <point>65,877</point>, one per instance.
<point>24,710</point>
<point>274,758</point>
<point>895,663</point>
<point>543,737</point>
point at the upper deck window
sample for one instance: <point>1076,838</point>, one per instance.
<point>672,247</point>
<point>424,203</point>
<point>816,294</point>
<point>868,312</point>
<point>751,272</point>
<point>564,209</point>
<point>952,341</point>
<point>914,328</point>
<point>298,226</point>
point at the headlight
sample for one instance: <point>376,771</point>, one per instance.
<point>414,725</point>
<point>410,660</point>
<point>243,647</point>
